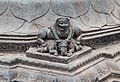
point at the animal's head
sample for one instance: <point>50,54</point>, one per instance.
<point>63,47</point>
<point>63,24</point>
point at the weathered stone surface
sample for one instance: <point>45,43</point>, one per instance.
<point>8,23</point>
<point>16,66</point>
<point>103,6</point>
<point>93,19</point>
<point>32,52</point>
<point>29,10</point>
<point>20,21</point>
<point>3,6</point>
<point>70,8</point>
<point>27,29</point>
<point>116,11</point>
<point>62,38</point>
<point>94,13</point>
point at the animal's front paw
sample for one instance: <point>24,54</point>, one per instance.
<point>56,53</point>
<point>69,54</point>
<point>53,52</point>
<point>42,49</point>
<point>39,50</point>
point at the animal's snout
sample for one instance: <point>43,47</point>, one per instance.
<point>63,51</point>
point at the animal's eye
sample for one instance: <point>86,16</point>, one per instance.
<point>61,22</point>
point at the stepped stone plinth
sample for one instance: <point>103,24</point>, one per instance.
<point>33,53</point>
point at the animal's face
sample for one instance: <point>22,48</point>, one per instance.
<point>63,47</point>
<point>63,24</point>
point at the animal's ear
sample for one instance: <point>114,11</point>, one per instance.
<point>67,19</point>
<point>58,20</point>
<point>62,18</point>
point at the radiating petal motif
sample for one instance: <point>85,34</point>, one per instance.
<point>36,25</point>
<point>9,23</point>
<point>27,28</point>
<point>77,22</point>
<point>70,8</point>
<point>116,11</point>
<point>118,2</point>
<point>103,6</point>
<point>50,17</point>
<point>3,6</point>
<point>112,20</point>
<point>106,7</point>
<point>93,19</point>
<point>29,9</point>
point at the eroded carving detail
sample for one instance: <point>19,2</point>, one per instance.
<point>63,38</point>
<point>60,39</point>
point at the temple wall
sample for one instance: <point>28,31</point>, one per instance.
<point>20,21</point>
<point>28,16</point>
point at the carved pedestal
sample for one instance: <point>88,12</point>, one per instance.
<point>87,65</point>
<point>83,66</point>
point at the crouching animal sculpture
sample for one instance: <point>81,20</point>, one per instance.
<point>56,47</point>
<point>60,39</point>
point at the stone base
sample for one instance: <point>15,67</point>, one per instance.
<point>32,52</point>
<point>100,65</point>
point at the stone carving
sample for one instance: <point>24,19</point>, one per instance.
<point>20,21</point>
<point>24,7</point>
<point>62,36</point>
<point>19,15</point>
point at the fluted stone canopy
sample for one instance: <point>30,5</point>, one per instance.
<point>28,16</point>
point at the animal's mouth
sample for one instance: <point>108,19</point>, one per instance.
<point>63,52</point>
<point>63,28</point>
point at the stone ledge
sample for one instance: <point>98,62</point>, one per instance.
<point>102,70</point>
<point>32,53</point>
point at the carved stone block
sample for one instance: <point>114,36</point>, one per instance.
<point>33,53</point>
